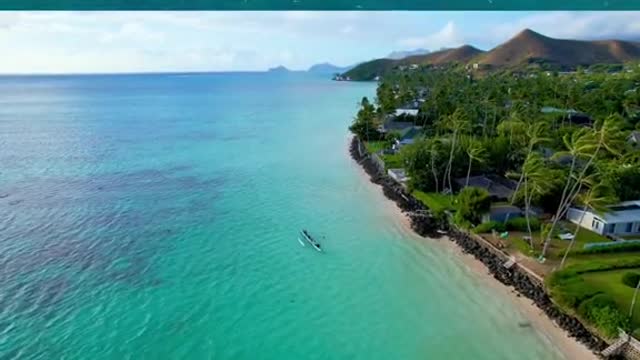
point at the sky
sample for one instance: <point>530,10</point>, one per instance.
<point>106,42</point>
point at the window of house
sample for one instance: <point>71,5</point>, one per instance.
<point>629,227</point>
<point>610,228</point>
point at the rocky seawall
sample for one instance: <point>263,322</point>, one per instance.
<point>426,225</point>
<point>421,223</point>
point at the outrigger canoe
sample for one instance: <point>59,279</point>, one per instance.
<point>305,234</point>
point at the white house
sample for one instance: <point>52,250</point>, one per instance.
<point>621,219</point>
<point>406,112</point>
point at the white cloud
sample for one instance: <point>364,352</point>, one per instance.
<point>447,37</point>
<point>347,29</point>
<point>218,41</point>
<point>575,25</point>
<point>132,32</point>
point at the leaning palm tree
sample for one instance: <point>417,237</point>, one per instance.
<point>457,123</point>
<point>475,151</point>
<point>596,198</point>
<point>537,182</point>
<point>536,133</point>
<point>433,149</point>
<point>513,128</point>
<point>584,145</point>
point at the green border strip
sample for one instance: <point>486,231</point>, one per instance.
<point>319,5</point>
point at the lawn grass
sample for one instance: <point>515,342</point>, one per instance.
<point>584,236</point>
<point>436,202</point>
<point>375,146</point>
<point>586,260</point>
<point>392,161</point>
<point>516,240</point>
<point>610,282</point>
<point>558,246</point>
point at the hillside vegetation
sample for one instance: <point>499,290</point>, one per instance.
<point>528,48</point>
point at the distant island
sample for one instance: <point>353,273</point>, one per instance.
<point>526,50</point>
<point>321,69</point>
<point>279,69</point>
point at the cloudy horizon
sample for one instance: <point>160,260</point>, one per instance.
<point>114,42</point>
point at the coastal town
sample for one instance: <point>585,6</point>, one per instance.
<point>534,170</point>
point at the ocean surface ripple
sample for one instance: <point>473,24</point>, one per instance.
<point>157,216</point>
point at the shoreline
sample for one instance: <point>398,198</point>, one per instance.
<point>569,347</point>
<point>564,332</point>
<point>543,325</point>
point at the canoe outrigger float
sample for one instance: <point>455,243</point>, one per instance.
<point>305,234</point>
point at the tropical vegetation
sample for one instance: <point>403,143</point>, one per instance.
<point>562,138</point>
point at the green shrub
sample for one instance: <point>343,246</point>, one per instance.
<point>631,279</point>
<point>520,224</point>
<point>621,247</point>
<point>603,313</point>
<point>569,290</point>
<point>595,265</point>
<point>489,226</point>
<point>472,202</point>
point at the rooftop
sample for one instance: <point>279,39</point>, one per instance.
<point>498,187</point>
<point>391,125</point>
<point>505,209</point>
<point>624,212</point>
<point>405,112</point>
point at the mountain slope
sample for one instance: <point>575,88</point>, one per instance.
<point>370,69</point>
<point>529,46</point>
<point>460,54</point>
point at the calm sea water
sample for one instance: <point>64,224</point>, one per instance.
<point>156,216</point>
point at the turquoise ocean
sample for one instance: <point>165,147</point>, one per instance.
<point>156,217</point>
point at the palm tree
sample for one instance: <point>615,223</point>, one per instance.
<point>535,132</point>
<point>475,151</point>
<point>434,153</point>
<point>585,144</point>
<point>537,182</point>
<point>513,127</point>
<point>595,198</point>
<point>456,123</point>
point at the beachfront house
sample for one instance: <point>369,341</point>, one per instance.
<point>502,213</point>
<point>403,112</point>
<point>392,125</point>
<point>571,115</point>
<point>505,212</point>
<point>620,219</point>
<point>499,188</point>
